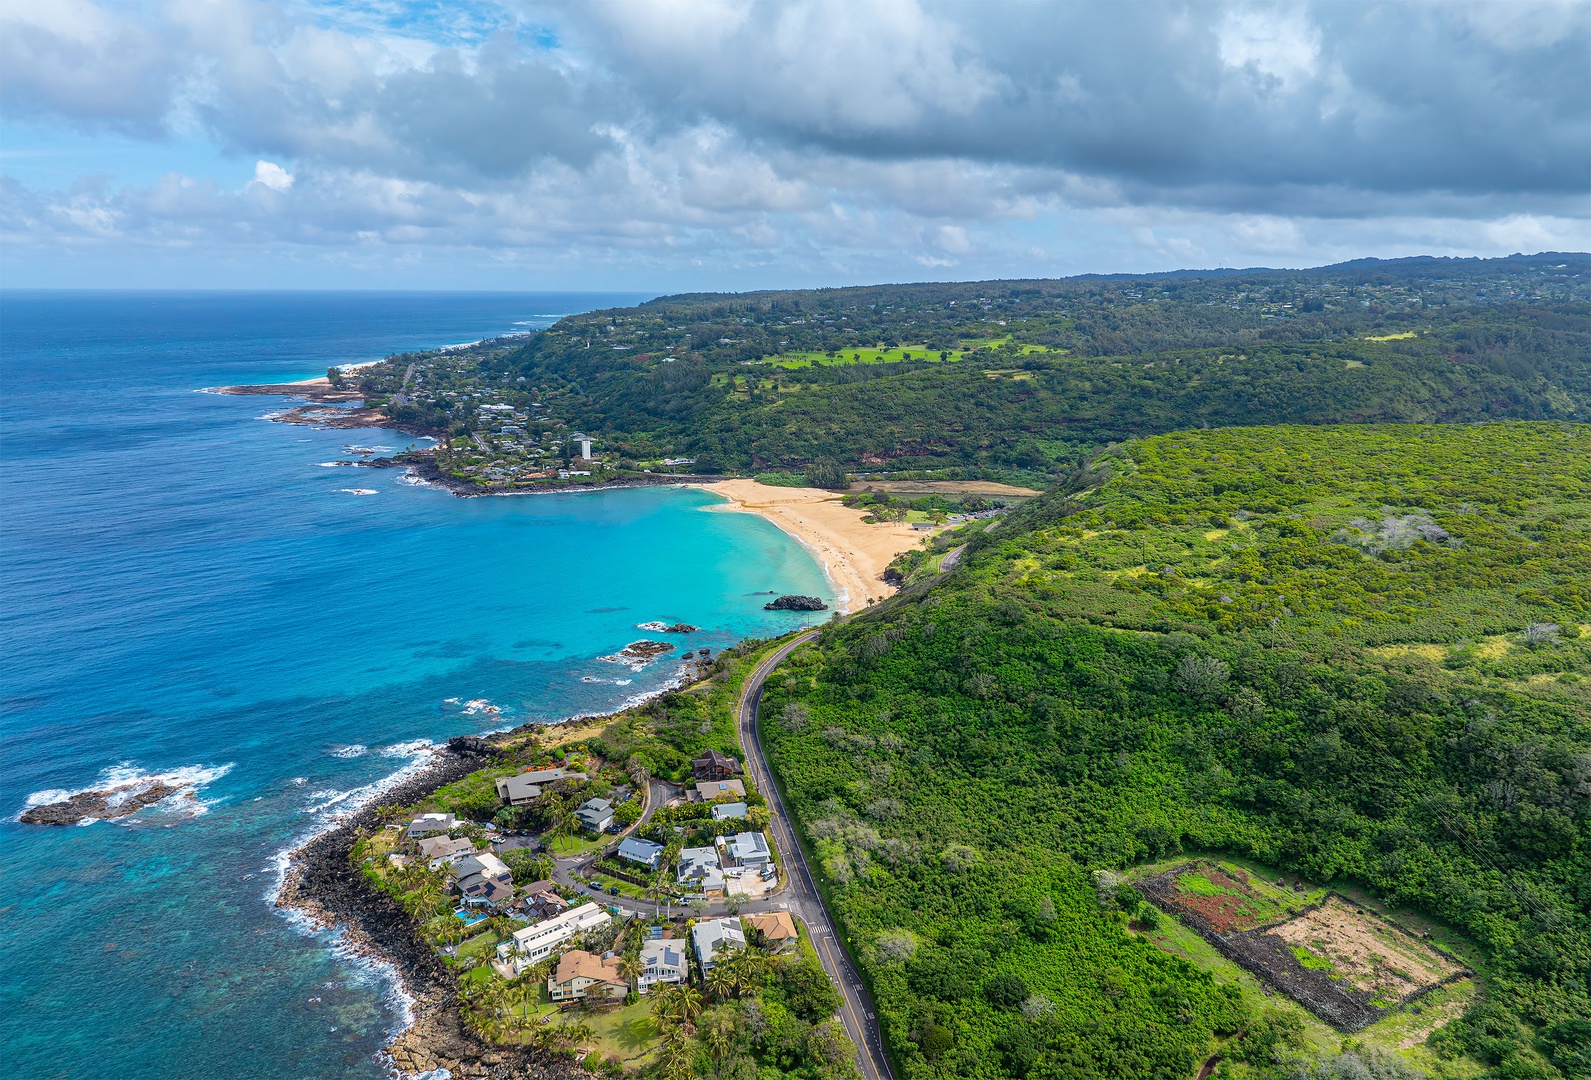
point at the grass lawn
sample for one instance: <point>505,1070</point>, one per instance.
<point>634,892</point>
<point>859,356</point>
<point>627,1032</point>
<point>565,846</point>
<point>480,943</point>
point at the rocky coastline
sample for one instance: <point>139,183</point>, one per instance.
<point>322,886</point>
<point>97,805</point>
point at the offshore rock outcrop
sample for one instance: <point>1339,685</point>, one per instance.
<point>96,804</point>
<point>796,603</point>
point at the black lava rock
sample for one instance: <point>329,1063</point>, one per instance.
<point>796,603</point>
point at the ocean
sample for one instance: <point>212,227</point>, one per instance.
<point>188,591</point>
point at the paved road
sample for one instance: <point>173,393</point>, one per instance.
<point>952,557</point>
<point>801,894</point>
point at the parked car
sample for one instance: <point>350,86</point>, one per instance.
<point>613,890</point>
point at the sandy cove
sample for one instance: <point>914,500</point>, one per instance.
<point>854,554</point>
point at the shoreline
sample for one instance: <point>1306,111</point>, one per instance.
<point>853,555</point>
<point>320,892</point>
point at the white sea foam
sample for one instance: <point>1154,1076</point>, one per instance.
<point>334,464</point>
<point>655,627</point>
<point>408,749</point>
<point>409,479</point>
<point>332,806</point>
<point>351,750</point>
<point>481,707</point>
<point>124,780</point>
<point>450,701</point>
<point>358,491</point>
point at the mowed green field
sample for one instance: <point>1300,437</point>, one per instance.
<point>875,355</point>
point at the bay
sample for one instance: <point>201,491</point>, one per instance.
<point>185,590</point>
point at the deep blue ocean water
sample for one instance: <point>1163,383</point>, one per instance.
<point>184,589</point>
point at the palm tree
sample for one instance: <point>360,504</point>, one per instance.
<point>630,967</point>
<point>676,1056</point>
<point>573,1033</point>
<point>722,981</point>
<point>688,1005</point>
<point>718,1032</point>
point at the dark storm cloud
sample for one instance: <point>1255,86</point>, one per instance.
<point>886,136</point>
<point>1217,102</point>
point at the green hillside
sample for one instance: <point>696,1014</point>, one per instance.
<point>1005,380</point>
<point>1354,656</point>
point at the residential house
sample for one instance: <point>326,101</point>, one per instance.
<point>712,936</point>
<point>483,876</point>
<point>715,766</point>
<point>644,852</point>
<point>775,929</point>
<point>431,824</point>
<point>595,814</point>
<point>583,976</point>
<point>749,849</point>
<point>662,961</point>
<point>436,850</point>
<point>708,790</point>
<point>528,786</point>
<point>729,811</point>
<point>535,943</point>
<point>544,902</point>
<point>699,869</point>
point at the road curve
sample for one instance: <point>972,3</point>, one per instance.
<point>859,1016</point>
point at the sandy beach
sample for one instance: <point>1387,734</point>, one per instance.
<point>853,554</point>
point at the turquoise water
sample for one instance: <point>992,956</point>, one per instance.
<point>187,591</point>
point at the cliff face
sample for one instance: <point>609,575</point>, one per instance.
<point>323,885</point>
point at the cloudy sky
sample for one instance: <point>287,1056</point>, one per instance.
<point>729,144</point>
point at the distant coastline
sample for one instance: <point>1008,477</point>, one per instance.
<point>853,554</point>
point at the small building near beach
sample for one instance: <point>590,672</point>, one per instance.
<point>527,787</point>
<point>699,869</point>
<point>484,877</point>
<point>775,929</point>
<point>662,961</point>
<point>643,852</point>
<point>709,790</point>
<point>749,849</point>
<point>431,824</point>
<point>436,850</point>
<point>714,765</point>
<point>595,814</point>
<point>583,976</point>
<point>533,944</point>
<point>712,936</point>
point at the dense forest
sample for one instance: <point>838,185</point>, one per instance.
<point>1358,656</point>
<point>1016,380</point>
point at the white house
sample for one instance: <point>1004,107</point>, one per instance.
<point>712,936</point>
<point>430,824</point>
<point>534,944</point>
<point>663,961</point>
<point>749,849</point>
